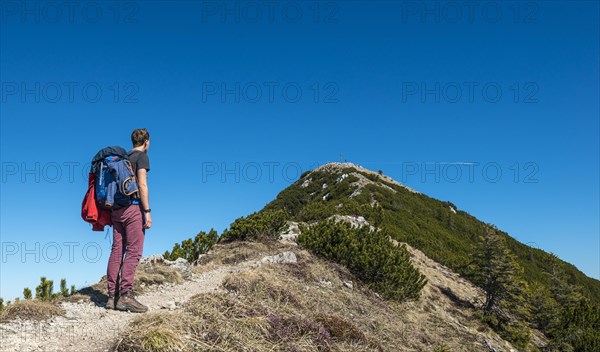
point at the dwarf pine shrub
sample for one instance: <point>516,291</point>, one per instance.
<point>367,254</point>
<point>191,249</point>
<point>27,293</point>
<point>265,225</point>
<point>64,291</point>
<point>40,288</point>
<point>44,291</point>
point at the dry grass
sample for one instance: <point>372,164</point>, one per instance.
<point>309,306</point>
<point>236,252</point>
<point>292,307</point>
<point>159,332</point>
<point>31,310</point>
<point>155,274</point>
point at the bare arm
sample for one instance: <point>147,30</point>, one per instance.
<point>143,186</point>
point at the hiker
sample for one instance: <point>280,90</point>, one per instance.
<point>129,227</point>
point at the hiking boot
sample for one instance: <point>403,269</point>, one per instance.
<point>110,303</point>
<point>128,303</point>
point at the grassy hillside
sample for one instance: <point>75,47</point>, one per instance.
<point>436,227</point>
<point>311,304</point>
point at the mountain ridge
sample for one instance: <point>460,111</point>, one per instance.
<point>305,202</point>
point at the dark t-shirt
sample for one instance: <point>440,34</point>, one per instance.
<point>139,160</point>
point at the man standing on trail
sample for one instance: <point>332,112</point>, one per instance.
<point>129,227</point>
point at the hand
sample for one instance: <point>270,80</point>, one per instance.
<point>147,220</point>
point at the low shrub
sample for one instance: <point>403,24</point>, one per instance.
<point>367,254</point>
<point>191,249</point>
<point>262,226</point>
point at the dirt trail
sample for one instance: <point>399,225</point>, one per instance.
<point>88,327</point>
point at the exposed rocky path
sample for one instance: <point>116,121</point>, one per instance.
<point>89,327</point>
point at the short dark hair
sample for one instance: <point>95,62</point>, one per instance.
<point>139,136</point>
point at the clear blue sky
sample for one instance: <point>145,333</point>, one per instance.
<point>512,86</point>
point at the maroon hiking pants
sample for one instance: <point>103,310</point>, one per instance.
<point>128,242</point>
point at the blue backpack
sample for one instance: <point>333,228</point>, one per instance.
<point>115,183</point>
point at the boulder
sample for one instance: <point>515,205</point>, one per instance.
<point>282,258</point>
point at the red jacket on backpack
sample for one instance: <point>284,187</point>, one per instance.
<point>98,217</point>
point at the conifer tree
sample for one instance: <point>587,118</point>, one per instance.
<point>545,312</point>
<point>576,319</point>
<point>567,296</point>
<point>495,269</point>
